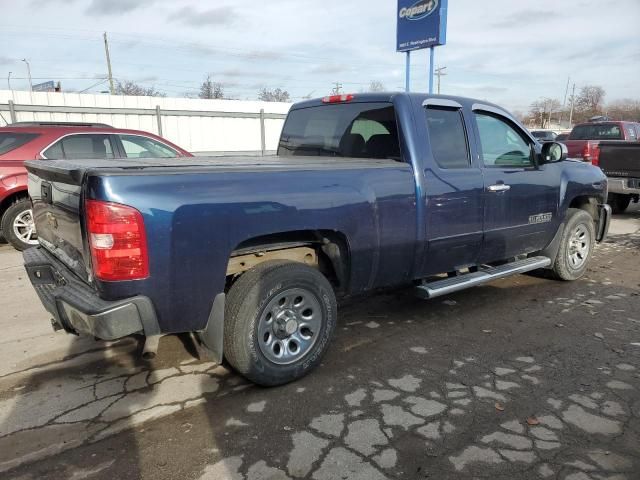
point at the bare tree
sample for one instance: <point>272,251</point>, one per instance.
<point>128,87</point>
<point>624,109</point>
<point>275,95</point>
<point>590,99</point>
<point>376,86</point>
<point>588,103</point>
<point>210,89</point>
<point>542,110</point>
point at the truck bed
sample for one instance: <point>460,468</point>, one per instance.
<point>72,171</point>
<point>197,211</point>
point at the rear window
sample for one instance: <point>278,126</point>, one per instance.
<point>596,131</point>
<point>81,146</point>
<point>357,130</point>
<point>10,141</point>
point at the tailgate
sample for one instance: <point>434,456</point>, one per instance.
<point>620,158</point>
<point>57,214</point>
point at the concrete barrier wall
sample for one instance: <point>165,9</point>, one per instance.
<point>199,126</point>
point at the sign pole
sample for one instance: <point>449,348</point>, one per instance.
<point>431,51</point>
<point>420,24</point>
<point>407,75</point>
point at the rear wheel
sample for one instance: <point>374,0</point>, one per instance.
<point>576,245</point>
<point>618,202</point>
<point>279,318</point>
<point>18,227</point>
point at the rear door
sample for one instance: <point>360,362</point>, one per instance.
<point>454,190</point>
<point>520,198</point>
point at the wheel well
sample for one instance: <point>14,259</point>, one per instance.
<point>11,199</point>
<point>588,204</point>
<point>331,250</point>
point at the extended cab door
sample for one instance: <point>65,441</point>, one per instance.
<point>454,190</point>
<point>520,197</point>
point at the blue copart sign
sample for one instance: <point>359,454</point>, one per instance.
<point>421,24</point>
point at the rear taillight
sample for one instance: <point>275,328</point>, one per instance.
<point>117,240</point>
<point>337,98</point>
<point>595,155</point>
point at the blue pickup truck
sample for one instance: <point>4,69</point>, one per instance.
<point>250,253</point>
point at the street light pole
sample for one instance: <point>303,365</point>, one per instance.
<point>28,74</point>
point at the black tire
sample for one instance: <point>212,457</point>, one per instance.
<point>246,313</point>
<point>579,228</point>
<point>618,202</point>
<point>19,208</point>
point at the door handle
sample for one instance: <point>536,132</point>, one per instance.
<point>500,187</point>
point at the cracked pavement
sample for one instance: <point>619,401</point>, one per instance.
<point>523,378</point>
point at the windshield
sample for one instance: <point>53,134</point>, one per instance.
<point>357,130</point>
<point>10,141</point>
<point>596,131</point>
<point>541,134</point>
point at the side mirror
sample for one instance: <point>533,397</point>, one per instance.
<point>553,152</point>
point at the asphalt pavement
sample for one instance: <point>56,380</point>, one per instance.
<point>523,378</point>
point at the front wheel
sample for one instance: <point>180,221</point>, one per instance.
<point>279,319</point>
<point>18,226</point>
<point>576,245</point>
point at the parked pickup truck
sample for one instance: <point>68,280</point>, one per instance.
<point>368,191</point>
<point>584,139</point>
<point>620,161</point>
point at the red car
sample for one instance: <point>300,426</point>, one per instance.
<point>48,140</point>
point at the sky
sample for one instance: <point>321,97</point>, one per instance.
<point>511,52</point>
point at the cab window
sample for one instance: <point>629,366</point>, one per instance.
<point>501,144</point>
<point>447,137</point>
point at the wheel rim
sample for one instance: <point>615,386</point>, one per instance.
<point>289,326</point>
<point>24,228</point>
<point>579,245</point>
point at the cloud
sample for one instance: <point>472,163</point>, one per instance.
<point>114,7</point>
<point>328,68</point>
<point>214,16</point>
<point>525,17</point>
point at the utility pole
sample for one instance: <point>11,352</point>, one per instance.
<point>28,74</point>
<point>336,89</point>
<point>440,73</point>
<point>9,80</point>
<point>573,102</point>
<point>564,102</point>
<point>106,51</point>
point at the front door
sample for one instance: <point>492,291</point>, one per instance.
<point>520,197</point>
<point>454,210</point>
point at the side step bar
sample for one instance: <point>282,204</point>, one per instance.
<point>486,274</point>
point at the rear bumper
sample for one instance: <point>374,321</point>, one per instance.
<point>604,218</point>
<point>77,308</point>
<point>625,186</point>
